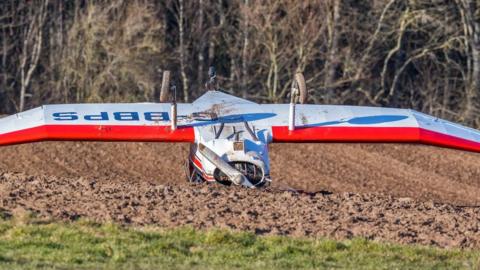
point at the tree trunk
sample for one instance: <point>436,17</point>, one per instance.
<point>334,36</point>
<point>245,56</point>
<point>201,47</point>
<point>475,43</point>
<point>5,50</point>
<point>469,9</point>
<point>182,51</point>
<point>32,47</point>
<point>211,51</point>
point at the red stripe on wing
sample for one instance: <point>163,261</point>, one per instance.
<point>98,133</point>
<point>444,140</point>
<point>346,134</point>
<point>372,134</point>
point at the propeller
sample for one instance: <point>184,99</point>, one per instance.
<point>299,92</point>
<point>164,90</point>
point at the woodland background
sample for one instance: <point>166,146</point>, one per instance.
<point>421,54</point>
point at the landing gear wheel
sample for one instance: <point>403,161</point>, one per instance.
<point>301,86</point>
<point>192,174</point>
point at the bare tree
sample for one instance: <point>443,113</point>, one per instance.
<point>333,21</point>
<point>469,10</point>
<point>182,48</point>
<point>201,41</point>
<point>31,50</point>
<point>113,60</point>
<point>290,43</point>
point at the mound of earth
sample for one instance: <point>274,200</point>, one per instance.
<point>340,215</point>
<point>419,172</point>
<point>401,193</point>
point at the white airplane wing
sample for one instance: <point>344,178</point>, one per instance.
<point>327,123</point>
<point>99,122</point>
<point>314,123</point>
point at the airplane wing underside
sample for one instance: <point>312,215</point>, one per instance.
<point>313,123</point>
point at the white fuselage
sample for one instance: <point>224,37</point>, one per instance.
<point>238,144</point>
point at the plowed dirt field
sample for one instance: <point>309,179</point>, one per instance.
<point>398,193</point>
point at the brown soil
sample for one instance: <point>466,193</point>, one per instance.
<point>420,172</point>
<point>402,193</point>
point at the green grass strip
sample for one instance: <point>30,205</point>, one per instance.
<point>87,245</point>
